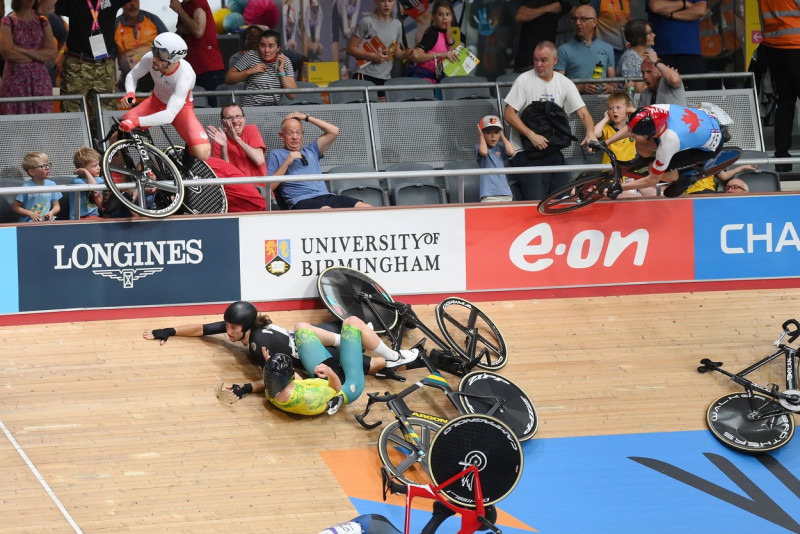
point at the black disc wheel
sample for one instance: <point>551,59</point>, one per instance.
<point>483,392</point>
<point>751,423</point>
<point>484,442</point>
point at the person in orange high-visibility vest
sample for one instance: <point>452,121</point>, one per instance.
<point>780,23</point>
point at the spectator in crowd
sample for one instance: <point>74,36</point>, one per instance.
<point>263,69</point>
<point>60,33</point>
<point>239,143</point>
<point>196,25</point>
<point>640,37</point>
<point>296,159</point>
<point>737,186</point>
<point>436,45</point>
<point>677,25</point>
<point>134,32</point>
<point>241,197</point>
<point>87,169</point>
<point>27,44</point>
<point>612,15</point>
<point>618,105</point>
<point>36,207</point>
<point>89,67</point>
<point>780,21</point>
<point>542,83</point>
<point>709,183</point>
<point>582,56</point>
<point>492,151</point>
<point>539,22</point>
<point>249,41</point>
<point>663,83</point>
<point>376,42</point>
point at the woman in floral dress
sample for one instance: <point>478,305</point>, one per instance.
<point>27,44</point>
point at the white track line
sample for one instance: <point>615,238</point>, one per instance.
<point>40,478</point>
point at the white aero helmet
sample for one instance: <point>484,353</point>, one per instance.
<point>169,47</point>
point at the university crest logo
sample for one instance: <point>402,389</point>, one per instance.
<point>277,256</point>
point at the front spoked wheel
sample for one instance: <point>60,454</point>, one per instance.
<point>158,190</point>
<point>577,194</point>
<point>482,391</point>
<point>751,423</point>
<point>461,322</point>
<point>398,454</point>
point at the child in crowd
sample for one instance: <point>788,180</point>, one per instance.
<point>709,183</point>
<point>376,42</point>
<point>37,207</point>
<point>436,45</point>
<point>87,169</point>
<point>618,105</point>
<point>492,152</point>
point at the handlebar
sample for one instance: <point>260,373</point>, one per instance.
<point>793,334</point>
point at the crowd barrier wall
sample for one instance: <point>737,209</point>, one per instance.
<point>448,249</point>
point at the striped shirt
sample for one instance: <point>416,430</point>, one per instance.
<point>262,81</point>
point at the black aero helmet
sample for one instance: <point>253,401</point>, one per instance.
<point>646,121</point>
<point>243,313</point>
<point>278,373</point>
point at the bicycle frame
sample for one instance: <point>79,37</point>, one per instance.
<point>401,411</point>
<point>405,315</point>
<point>792,380</point>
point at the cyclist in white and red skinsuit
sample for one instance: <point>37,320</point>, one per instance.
<point>171,99</point>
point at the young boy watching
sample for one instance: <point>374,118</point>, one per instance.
<point>87,169</point>
<point>36,207</point>
<point>492,151</point>
<point>618,105</point>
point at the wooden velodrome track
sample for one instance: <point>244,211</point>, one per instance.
<point>119,434</point>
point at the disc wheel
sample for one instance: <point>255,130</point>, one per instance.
<point>460,322</point>
<point>199,200</point>
<point>482,390</point>
<point>157,193</point>
<point>400,457</point>
<point>340,287</point>
<point>577,194</point>
<point>751,423</point>
<point>484,442</point>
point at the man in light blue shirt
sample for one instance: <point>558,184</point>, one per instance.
<point>579,57</point>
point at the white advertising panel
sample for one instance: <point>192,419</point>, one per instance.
<point>406,251</point>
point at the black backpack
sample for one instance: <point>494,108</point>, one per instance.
<point>549,120</point>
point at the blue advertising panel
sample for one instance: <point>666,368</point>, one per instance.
<point>747,237</point>
<point>9,290</point>
<point>128,264</point>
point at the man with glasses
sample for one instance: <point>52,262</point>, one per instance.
<point>737,186</point>
<point>171,100</point>
<point>239,143</point>
<point>586,55</point>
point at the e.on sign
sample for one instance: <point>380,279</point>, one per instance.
<point>608,243</point>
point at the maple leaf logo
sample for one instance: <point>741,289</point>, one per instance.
<point>691,119</point>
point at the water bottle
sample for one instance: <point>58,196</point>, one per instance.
<point>630,89</point>
<point>597,73</point>
<point>351,527</point>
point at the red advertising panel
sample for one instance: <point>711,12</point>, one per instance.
<point>608,243</point>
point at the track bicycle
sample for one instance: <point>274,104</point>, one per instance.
<point>475,461</point>
<point>471,338</point>
<point>403,445</point>
<point>760,418</point>
<point>157,177</point>
<point>591,186</point>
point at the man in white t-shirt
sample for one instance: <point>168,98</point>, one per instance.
<point>539,84</point>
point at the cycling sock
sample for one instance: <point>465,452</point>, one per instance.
<point>385,352</point>
<point>188,160</point>
<point>337,340</point>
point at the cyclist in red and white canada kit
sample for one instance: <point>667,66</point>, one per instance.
<point>678,138</point>
<point>171,99</point>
